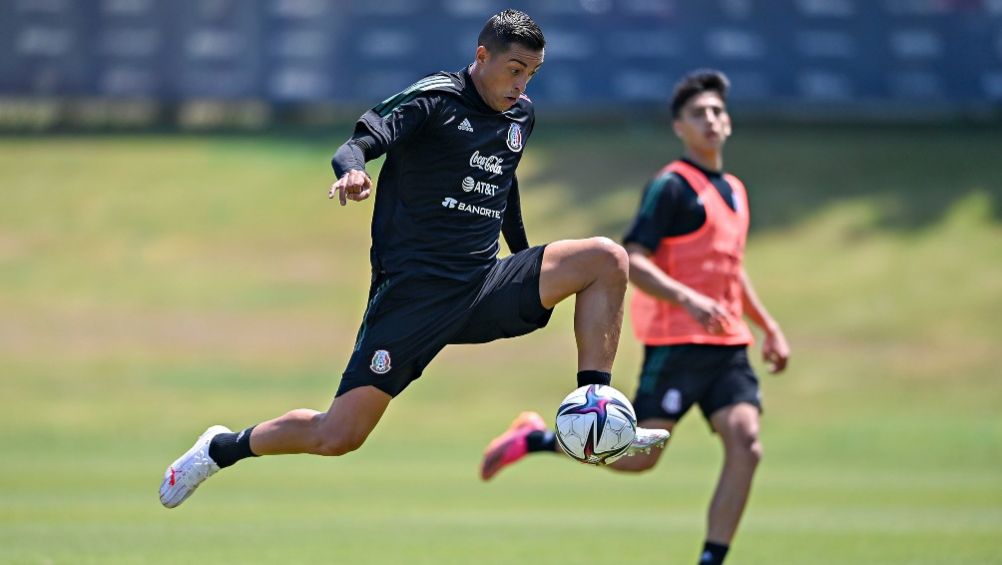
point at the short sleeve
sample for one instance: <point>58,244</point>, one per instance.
<point>657,210</point>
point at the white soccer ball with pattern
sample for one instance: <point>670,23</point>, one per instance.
<point>596,424</point>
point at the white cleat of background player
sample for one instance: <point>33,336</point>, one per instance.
<point>647,439</point>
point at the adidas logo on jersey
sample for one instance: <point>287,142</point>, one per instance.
<point>465,125</point>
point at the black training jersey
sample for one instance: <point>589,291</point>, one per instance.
<point>444,187</point>
<point>671,208</point>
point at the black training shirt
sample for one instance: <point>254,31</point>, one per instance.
<point>670,207</point>
<point>449,177</point>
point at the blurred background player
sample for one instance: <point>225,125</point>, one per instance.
<point>686,248</point>
<point>447,191</point>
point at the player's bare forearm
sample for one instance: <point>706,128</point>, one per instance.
<point>754,308</point>
<point>775,349</point>
<point>648,277</point>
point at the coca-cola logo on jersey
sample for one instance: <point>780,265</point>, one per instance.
<point>489,163</point>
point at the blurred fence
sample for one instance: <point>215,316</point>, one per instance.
<point>116,59</point>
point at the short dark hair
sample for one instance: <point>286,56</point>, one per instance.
<point>511,26</point>
<point>698,82</point>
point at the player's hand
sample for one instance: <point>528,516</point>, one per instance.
<point>775,350</point>
<point>708,312</point>
<point>353,185</point>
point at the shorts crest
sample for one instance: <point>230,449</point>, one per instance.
<point>380,362</point>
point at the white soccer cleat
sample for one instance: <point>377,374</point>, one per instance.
<point>190,470</point>
<point>647,439</point>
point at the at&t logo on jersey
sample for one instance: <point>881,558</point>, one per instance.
<point>514,138</point>
<point>487,163</point>
<point>479,187</point>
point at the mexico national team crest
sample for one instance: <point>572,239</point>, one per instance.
<point>380,362</point>
<point>515,138</point>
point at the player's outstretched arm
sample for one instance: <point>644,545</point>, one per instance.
<point>376,132</point>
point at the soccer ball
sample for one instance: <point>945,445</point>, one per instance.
<point>596,424</point>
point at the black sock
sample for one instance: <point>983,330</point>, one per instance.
<point>586,378</point>
<point>227,449</point>
<point>713,553</point>
<point>541,440</point>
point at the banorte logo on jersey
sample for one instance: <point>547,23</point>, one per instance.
<point>514,138</point>
<point>453,204</point>
<point>488,163</point>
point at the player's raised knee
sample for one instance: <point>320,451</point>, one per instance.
<point>610,254</point>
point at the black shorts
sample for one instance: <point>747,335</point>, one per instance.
<point>410,318</point>
<point>675,377</point>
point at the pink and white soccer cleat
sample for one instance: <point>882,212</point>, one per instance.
<point>510,446</point>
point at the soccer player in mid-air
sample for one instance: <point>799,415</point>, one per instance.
<point>686,249</point>
<point>446,192</point>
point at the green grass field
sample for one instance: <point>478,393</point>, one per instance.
<point>151,286</point>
